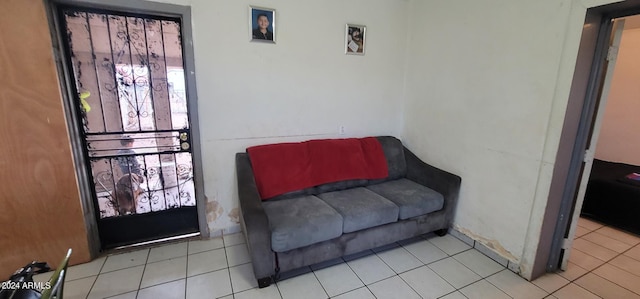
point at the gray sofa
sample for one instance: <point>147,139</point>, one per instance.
<point>329,221</point>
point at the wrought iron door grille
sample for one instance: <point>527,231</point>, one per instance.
<point>132,100</point>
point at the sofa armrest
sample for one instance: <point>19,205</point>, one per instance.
<point>254,221</point>
<point>443,182</point>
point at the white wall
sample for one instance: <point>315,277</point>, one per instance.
<point>486,92</point>
<point>619,140</point>
<point>301,88</point>
<point>486,88</point>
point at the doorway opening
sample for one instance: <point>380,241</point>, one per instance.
<point>597,59</point>
<point>131,101</point>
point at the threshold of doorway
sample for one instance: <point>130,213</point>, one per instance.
<point>151,243</point>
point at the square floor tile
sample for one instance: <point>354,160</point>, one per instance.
<point>117,282</point>
<point>619,235</point>
<point>78,288</point>
<point>604,288</point>
<point>206,261</point>
<point>427,283</point>
<point>594,250</point>
<point>589,224</point>
<point>164,271</point>
<point>304,286</point>
<point>454,295</point>
<point>197,246</point>
<point>242,278</point>
<point>607,242</point>
<point>170,290</point>
<point>338,279</point>
<point>454,272</point>
<point>634,253</point>
<point>449,244</point>
<point>125,260</point>
<point>426,252</point>
<point>628,264</point>
<point>209,285</point>
<point>550,282</point>
<point>270,292</point>
<point>399,259</point>
<point>130,295</point>
<point>91,268</point>
<point>478,263</point>
<point>393,288</point>
<point>233,239</point>
<point>237,255</point>
<point>371,269</point>
<point>573,272</point>
<point>168,251</point>
<point>361,293</point>
<point>620,277</point>
<point>516,286</point>
<point>584,260</point>
<point>573,291</point>
<point>483,290</point>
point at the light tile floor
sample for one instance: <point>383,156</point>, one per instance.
<point>605,263</point>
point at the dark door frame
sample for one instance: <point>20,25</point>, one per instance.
<point>577,130</point>
<point>135,6</point>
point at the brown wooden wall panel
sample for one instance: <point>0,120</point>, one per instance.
<point>40,209</point>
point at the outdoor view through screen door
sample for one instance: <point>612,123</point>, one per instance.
<point>132,112</point>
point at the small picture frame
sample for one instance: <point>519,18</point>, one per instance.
<point>262,24</point>
<point>354,40</point>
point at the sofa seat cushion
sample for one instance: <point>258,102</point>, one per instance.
<point>412,198</point>
<point>301,221</point>
<point>360,208</point>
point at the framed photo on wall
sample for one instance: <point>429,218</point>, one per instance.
<point>354,40</point>
<point>262,24</point>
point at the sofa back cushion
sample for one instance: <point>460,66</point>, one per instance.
<point>394,153</point>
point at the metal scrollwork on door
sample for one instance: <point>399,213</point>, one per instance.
<point>132,101</point>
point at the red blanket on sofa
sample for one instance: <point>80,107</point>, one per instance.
<point>285,167</point>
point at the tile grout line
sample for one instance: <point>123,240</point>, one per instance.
<point>577,285</point>
<point>354,272</point>
<point>497,287</point>
<point>320,283</point>
<point>620,231</point>
<point>414,290</point>
<point>143,271</point>
<point>445,295</point>
<point>97,276</point>
<point>608,263</point>
<point>435,261</point>
<point>479,275</point>
<point>394,271</point>
<point>573,281</point>
<point>594,269</point>
<point>226,258</point>
<point>398,274</point>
